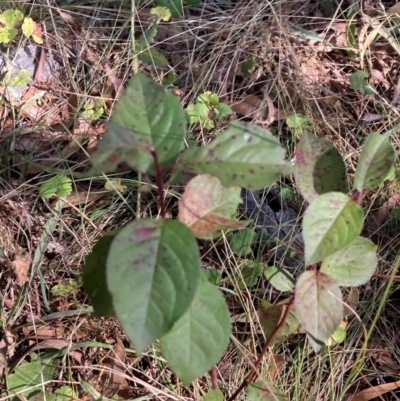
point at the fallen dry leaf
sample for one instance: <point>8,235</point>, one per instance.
<point>21,265</point>
<point>374,392</point>
<point>376,219</point>
<point>351,302</point>
<point>394,9</point>
<point>277,366</point>
<point>117,357</point>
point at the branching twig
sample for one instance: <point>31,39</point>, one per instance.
<point>249,378</point>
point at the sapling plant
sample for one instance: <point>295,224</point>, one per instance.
<point>148,273</point>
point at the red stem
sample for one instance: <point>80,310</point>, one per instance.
<point>249,378</point>
<point>357,197</point>
<point>160,186</point>
<point>214,378</point>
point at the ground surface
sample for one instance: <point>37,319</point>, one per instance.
<point>267,62</point>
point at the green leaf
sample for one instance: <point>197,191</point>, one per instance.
<point>153,270</point>
<point>319,168</point>
<point>338,336</point>
<point>7,34</point>
<point>198,114</point>
<point>241,242</point>
<point>59,185</point>
<point>213,395</point>
<point>330,223</point>
<point>198,340</point>
<point>211,275</point>
<point>245,155</point>
<point>298,124</point>
<point>247,66</point>
<point>148,36</point>
<point>163,13</point>
<point>10,17</point>
<point>28,27</point>
<point>250,274</point>
<point>377,157</point>
<point>28,378</point>
<point>358,82</point>
<point>207,207</point>
<point>151,55</point>
<point>264,391</point>
<point>223,110</point>
<point>280,280</point>
<point>95,277</point>
<point>319,307</point>
<point>353,265</point>
<point>395,213</point>
<point>147,118</point>
<point>20,80</point>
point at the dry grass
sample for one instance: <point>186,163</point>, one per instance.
<point>299,73</point>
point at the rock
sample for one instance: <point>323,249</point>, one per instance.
<point>26,58</point>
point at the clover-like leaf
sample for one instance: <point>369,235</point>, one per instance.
<point>7,34</point>
<point>359,83</point>
<point>59,185</point>
<point>146,119</point>
<point>264,391</point>
<point>331,222</point>
<point>241,242</point>
<point>153,271</point>
<point>281,280</point>
<point>249,275</point>
<point>28,27</point>
<point>377,157</point>
<point>95,277</point>
<point>245,155</point>
<point>163,13</point>
<point>319,168</point>
<point>207,207</point>
<point>199,338</point>
<point>10,17</point>
<point>319,306</point>
<point>353,265</point>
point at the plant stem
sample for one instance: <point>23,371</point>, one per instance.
<point>249,378</point>
<point>160,186</point>
<point>357,197</point>
<point>214,378</point>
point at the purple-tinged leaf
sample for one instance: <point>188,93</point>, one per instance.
<point>319,306</point>
<point>199,338</point>
<point>353,265</point>
<point>331,222</point>
<point>377,157</point>
<point>153,271</point>
<point>146,118</point>
<point>319,168</point>
<point>245,155</point>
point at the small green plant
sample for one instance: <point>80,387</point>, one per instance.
<point>13,20</point>
<point>93,110</point>
<point>148,273</point>
<point>60,185</point>
<point>208,110</point>
<point>146,53</point>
